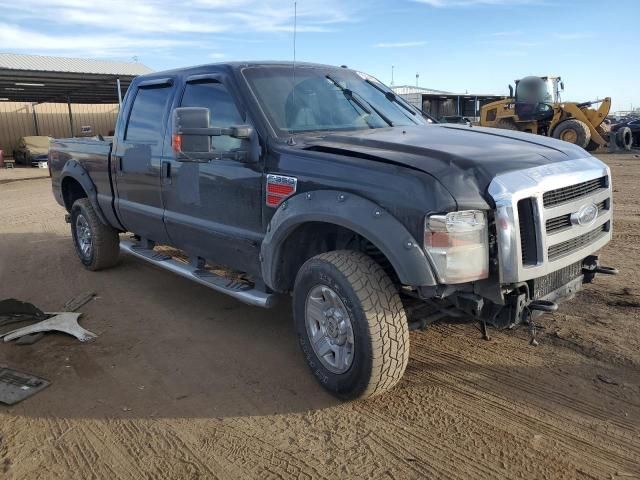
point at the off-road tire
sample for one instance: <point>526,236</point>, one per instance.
<point>624,138</point>
<point>576,129</point>
<point>380,327</point>
<point>105,241</point>
<point>506,124</point>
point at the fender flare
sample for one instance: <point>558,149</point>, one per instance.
<point>76,171</point>
<point>357,214</point>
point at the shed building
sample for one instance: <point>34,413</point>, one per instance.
<point>59,96</point>
<point>440,103</point>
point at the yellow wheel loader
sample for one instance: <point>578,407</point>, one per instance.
<point>537,108</point>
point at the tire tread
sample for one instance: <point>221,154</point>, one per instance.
<point>106,242</point>
<point>385,314</point>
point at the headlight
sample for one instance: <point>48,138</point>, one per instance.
<point>458,245</point>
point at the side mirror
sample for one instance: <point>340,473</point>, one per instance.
<point>186,119</point>
<point>191,133</point>
<point>510,91</point>
<point>562,86</point>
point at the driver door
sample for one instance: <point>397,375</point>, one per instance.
<point>213,207</point>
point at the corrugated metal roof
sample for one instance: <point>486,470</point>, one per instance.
<point>39,63</point>
<point>407,89</point>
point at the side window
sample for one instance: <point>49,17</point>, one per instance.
<point>146,114</point>
<point>222,110</point>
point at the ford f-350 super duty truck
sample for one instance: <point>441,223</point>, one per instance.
<point>321,183</point>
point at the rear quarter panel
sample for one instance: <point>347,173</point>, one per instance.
<point>93,155</point>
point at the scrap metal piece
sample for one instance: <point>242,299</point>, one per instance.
<point>16,386</point>
<point>66,322</point>
<point>78,301</point>
<point>13,311</point>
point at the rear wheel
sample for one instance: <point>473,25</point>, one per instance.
<point>573,131</point>
<point>351,324</point>
<point>97,244</point>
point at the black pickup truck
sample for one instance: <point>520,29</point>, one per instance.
<point>320,182</point>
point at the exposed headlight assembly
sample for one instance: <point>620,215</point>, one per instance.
<point>458,245</point>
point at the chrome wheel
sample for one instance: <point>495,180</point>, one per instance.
<point>329,329</point>
<point>83,235</point>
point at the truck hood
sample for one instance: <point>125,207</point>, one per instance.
<point>464,159</point>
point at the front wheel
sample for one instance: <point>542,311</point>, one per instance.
<point>351,324</point>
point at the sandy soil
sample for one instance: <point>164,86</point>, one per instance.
<point>185,383</point>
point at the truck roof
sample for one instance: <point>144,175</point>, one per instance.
<point>232,66</point>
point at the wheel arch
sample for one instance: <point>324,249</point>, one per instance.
<point>75,183</point>
<point>338,213</point>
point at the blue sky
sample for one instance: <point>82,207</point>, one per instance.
<point>457,45</point>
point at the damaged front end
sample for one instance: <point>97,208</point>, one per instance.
<point>524,301</point>
<point>548,223</point>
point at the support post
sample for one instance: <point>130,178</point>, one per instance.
<point>70,115</point>
<point>119,91</point>
<point>35,118</point>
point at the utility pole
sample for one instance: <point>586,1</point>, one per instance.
<point>392,68</point>
<point>417,77</point>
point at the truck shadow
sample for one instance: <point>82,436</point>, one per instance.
<point>169,348</point>
<point>166,347</point>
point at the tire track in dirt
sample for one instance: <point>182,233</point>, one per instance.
<point>540,413</point>
<point>259,457</point>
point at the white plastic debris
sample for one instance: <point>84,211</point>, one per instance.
<point>66,322</point>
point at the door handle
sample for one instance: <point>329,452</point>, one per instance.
<point>119,166</point>
<point>165,172</point>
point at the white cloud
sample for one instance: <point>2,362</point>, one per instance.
<point>511,33</point>
<point>118,27</point>
<point>400,44</point>
<point>474,3</point>
<point>108,44</point>
<point>573,35</point>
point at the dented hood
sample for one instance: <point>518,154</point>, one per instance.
<point>464,159</point>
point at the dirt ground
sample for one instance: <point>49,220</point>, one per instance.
<point>186,383</point>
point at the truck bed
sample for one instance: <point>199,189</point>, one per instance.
<point>91,153</point>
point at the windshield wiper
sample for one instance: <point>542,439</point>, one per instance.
<point>349,95</point>
<point>392,97</point>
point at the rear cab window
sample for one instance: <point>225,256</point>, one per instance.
<point>149,105</point>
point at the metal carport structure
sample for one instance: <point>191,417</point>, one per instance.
<point>37,79</point>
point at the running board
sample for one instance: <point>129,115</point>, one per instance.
<point>237,289</point>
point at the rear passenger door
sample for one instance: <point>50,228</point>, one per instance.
<point>138,156</point>
<point>213,207</point>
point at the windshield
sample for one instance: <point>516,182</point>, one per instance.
<point>534,90</point>
<point>326,99</point>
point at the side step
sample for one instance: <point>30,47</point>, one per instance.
<point>235,288</point>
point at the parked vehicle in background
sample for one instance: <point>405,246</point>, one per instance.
<point>320,183</point>
<point>32,150</point>
<point>633,123</point>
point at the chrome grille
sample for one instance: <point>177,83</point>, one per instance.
<point>573,192</point>
<point>557,224</point>
<point>538,240</point>
<point>563,249</point>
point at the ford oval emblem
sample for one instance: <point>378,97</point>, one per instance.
<point>586,216</point>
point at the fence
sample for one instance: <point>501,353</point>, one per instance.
<point>18,120</point>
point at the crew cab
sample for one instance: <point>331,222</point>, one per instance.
<point>320,183</point>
